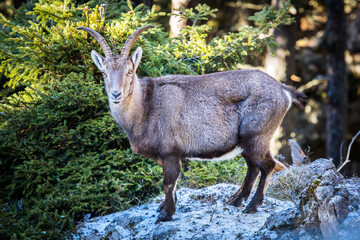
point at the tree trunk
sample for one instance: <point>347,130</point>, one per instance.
<point>176,24</point>
<point>336,78</point>
<point>282,65</point>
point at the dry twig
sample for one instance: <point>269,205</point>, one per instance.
<point>347,160</point>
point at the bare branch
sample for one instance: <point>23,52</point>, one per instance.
<point>347,160</point>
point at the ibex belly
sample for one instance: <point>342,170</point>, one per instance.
<point>215,135</point>
<point>229,155</point>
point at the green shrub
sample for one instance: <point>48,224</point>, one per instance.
<point>63,156</point>
<point>61,153</point>
<point>199,174</point>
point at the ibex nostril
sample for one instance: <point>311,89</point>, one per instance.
<point>116,94</point>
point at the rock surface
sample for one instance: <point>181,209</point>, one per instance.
<point>201,214</point>
<point>324,206</point>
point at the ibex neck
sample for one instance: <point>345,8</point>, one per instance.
<point>130,114</point>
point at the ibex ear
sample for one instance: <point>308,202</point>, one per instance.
<point>136,57</point>
<point>98,60</point>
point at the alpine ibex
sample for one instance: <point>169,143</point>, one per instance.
<point>210,116</point>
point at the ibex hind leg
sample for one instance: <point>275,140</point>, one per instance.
<point>266,166</point>
<point>243,193</point>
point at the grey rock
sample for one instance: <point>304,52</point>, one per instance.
<point>93,237</point>
<point>343,191</point>
<point>350,228</point>
<point>110,228</point>
<point>114,235</point>
<point>279,225</point>
<point>324,192</point>
<point>164,231</point>
<point>353,187</point>
<point>329,223</point>
<point>289,184</point>
<point>203,214</point>
<point>341,207</point>
<point>282,220</point>
<point>324,206</point>
<point>307,237</point>
<point>127,220</point>
<point>330,177</point>
<point>319,166</point>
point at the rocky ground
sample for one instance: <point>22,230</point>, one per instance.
<point>316,203</point>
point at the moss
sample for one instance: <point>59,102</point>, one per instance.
<point>309,205</point>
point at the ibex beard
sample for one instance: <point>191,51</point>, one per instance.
<point>174,117</point>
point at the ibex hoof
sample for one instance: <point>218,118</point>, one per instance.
<point>161,207</point>
<point>250,209</point>
<point>235,201</point>
<point>164,217</point>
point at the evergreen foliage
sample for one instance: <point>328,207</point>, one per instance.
<point>62,155</point>
<point>197,174</point>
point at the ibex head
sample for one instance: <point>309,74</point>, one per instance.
<point>118,70</point>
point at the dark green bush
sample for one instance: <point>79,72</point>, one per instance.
<point>61,154</point>
<point>198,174</point>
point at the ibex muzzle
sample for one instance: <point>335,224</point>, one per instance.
<point>173,117</point>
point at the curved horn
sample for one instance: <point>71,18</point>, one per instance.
<point>131,40</point>
<point>103,44</point>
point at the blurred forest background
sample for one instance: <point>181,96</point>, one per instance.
<point>319,54</point>
<point>62,155</point>
<point>332,116</point>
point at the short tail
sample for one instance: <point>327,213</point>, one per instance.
<point>298,98</point>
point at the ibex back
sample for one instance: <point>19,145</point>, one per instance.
<point>173,117</point>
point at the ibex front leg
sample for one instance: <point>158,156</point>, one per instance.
<point>171,171</point>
